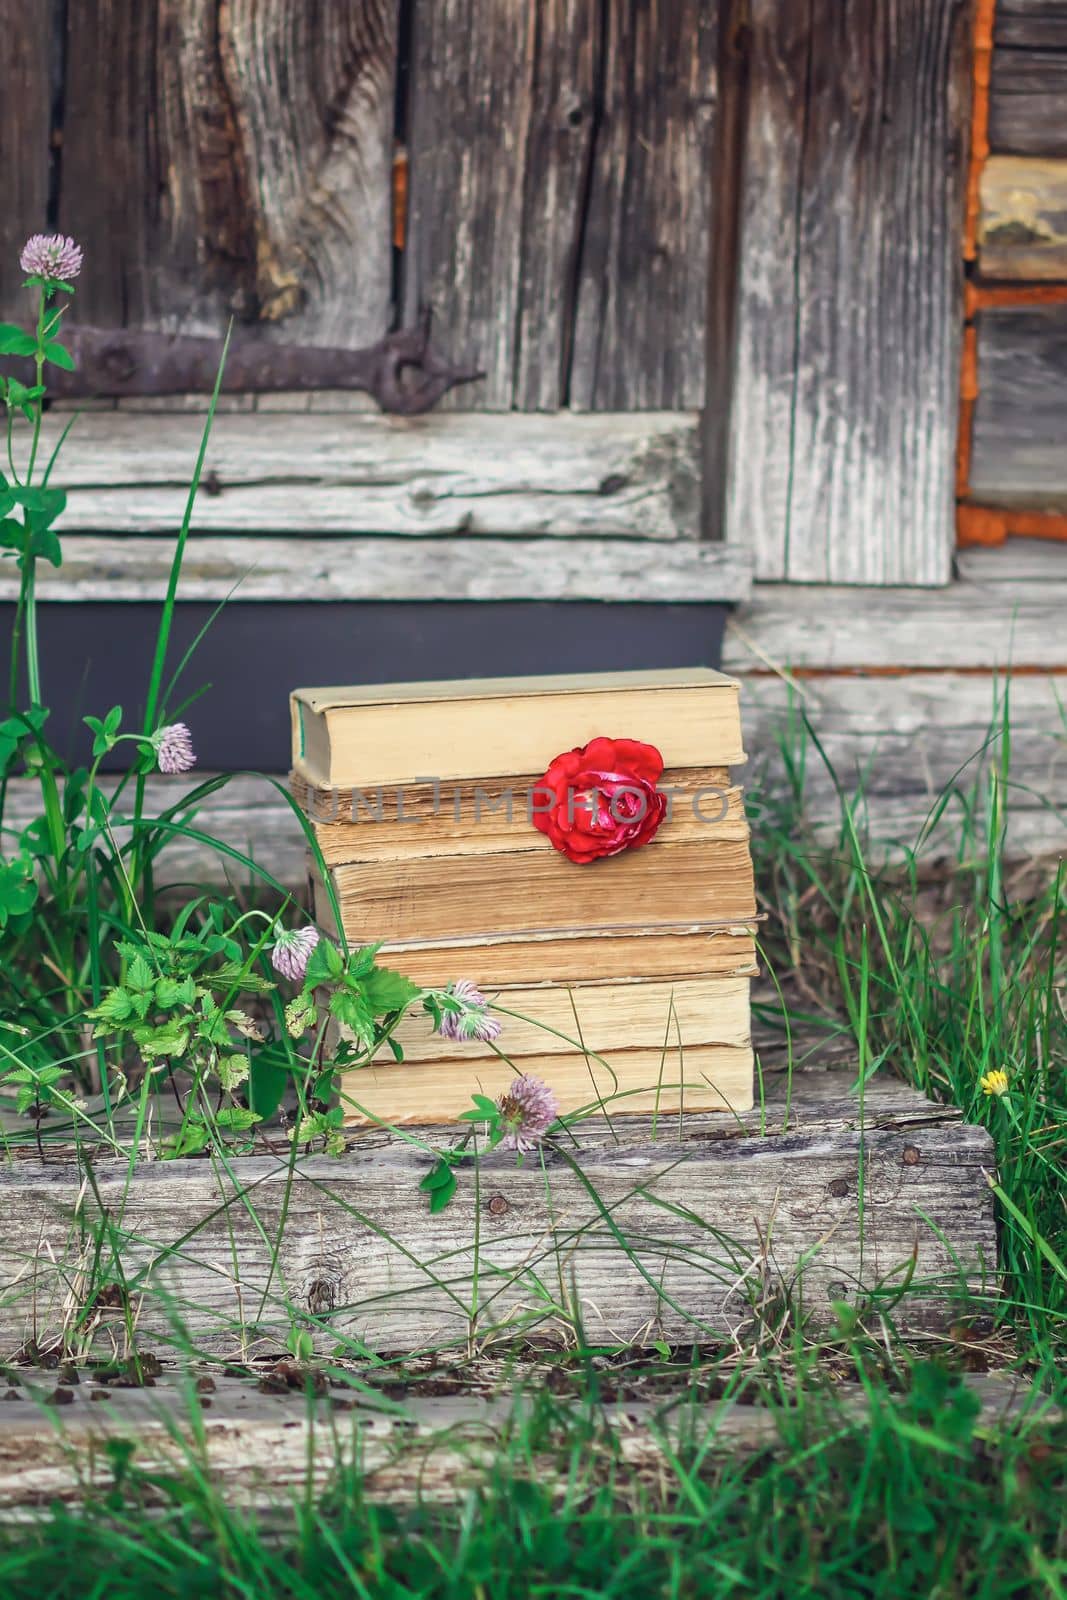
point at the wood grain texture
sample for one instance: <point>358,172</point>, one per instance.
<point>258,1448</point>
<point>560,160</point>
<point>288,568</point>
<point>694,1207</point>
<point>905,740</point>
<point>1028,101</point>
<point>469,474</point>
<point>643,275</point>
<point>232,159</point>
<point>1004,610</point>
<point>25,118</point>
<point>1019,451</point>
<point>849,322</point>
<point>1031,24</point>
<point>1022,230</point>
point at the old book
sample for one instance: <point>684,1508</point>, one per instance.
<point>385,822</point>
<point>626,1046</point>
<point>681,951</point>
<point>500,727</point>
<point>695,882</point>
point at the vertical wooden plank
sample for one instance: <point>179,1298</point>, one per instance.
<point>759,464</point>
<point>844,474</point>
<point>25,112</point>
<point>560,191</point>
<point>500,130</point>
<point>233,157</point>
<point>641,313</point>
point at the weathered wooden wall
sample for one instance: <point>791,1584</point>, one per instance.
<point>745,206</point>
<point>1015,442</point>
<point>848,334</point>
<point>231,159</point>
<point>25,130</point>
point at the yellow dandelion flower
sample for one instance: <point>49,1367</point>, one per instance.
<point>995,1082</point>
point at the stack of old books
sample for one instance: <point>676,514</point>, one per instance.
<point>574,846</point>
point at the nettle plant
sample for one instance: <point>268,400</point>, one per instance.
<point>111,994</point>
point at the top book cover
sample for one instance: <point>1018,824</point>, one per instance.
<point>403,733</point>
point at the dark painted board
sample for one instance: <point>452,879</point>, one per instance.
<point>232,159</point>
<point>1028,101</point>
<point>1020,422</point>
<point>1036,24</point>
<point>843,429</point>
<point>97,654</point>
<point>25,113</point>
<point>560,180</point>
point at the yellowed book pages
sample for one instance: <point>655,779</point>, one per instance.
<point>683,951</point>
<point>635,1045</point>
<point>486,728</point>
<point>602,1018</point>
<point>385,823</point>
<point>694,883</point>
<point>706,1077</point>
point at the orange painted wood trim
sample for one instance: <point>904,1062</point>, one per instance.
<point>984,12</point>
<point>987,296</point>
<point>991,525</point>
<point>400,198</point>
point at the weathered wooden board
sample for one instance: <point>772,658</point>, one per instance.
<point>706,1223</point>
<point>288,568</point>
<point>1022,230</point>
<point>1019,452</point>
<point>644,254</point>
<point>631,476</point>
<point>1005,610</point>
<point>25,153</point>
<point>849,319</point>
<point>248,156</point>
<point>560,158</point>
<point>1032,24</point>
<point>1028,101</point>
<point>261,1449</point>
<point>903,741</point>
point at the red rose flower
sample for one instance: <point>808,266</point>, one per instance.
<point>602,799</point>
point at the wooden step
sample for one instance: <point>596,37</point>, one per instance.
<point>698,1233</point>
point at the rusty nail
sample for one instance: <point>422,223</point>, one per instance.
<point>910,1156</point>
<point>839,1187</point>
<point>497,1205</point>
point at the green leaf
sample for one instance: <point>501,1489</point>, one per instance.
<point>232,1071</point>
<point>386,990</point>
<point>325,964</point>
<point>169,1040</point>
<point>353,1013</point>
<point>59,355</point>
<point>170,992</point>
<point>267,1085</point>
<point>44,544</point>
<point>236,1118</point>
<point>140,975</point>
<point>116,1006</point>
<point>43,505</point>
<point>442,1196</point>
<point>12,533</point>
<point>362,960</point>
<point>193,1138</point>
<point>16,341</point>
<point>438,1174</point>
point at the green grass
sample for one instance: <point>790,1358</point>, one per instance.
<point>913,1500</point>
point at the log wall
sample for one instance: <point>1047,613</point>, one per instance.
<point>1013,458</point>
